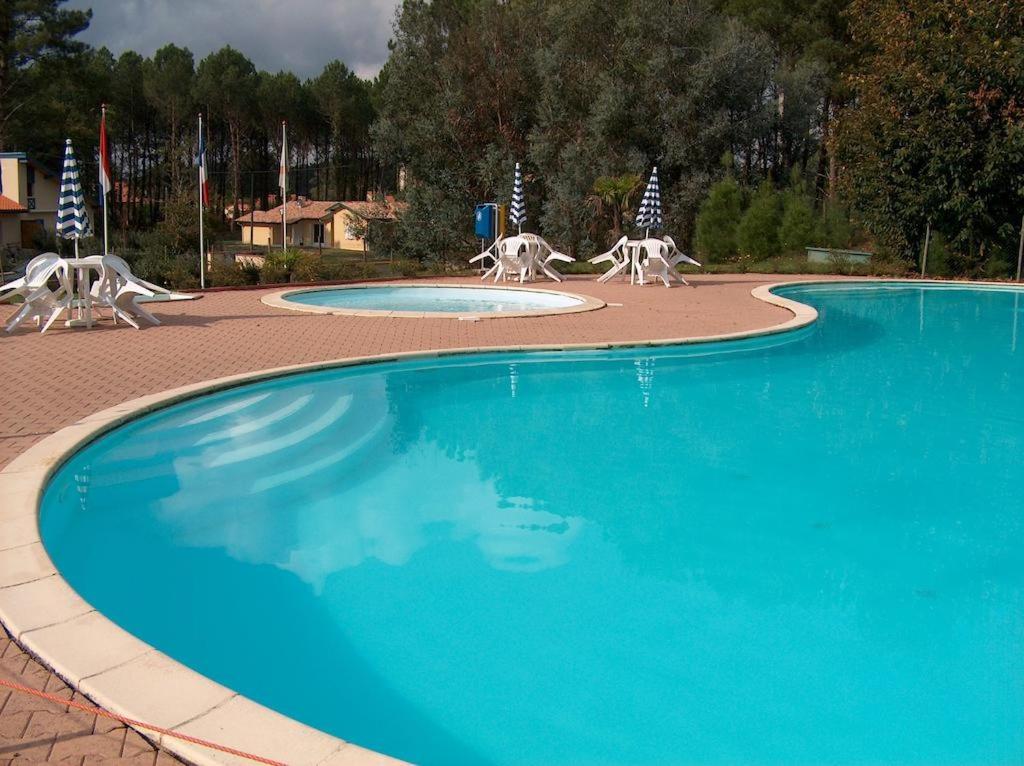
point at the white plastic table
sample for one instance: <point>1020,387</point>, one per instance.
<point>83,268</point>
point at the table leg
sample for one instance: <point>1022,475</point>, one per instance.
<point>85,293</point>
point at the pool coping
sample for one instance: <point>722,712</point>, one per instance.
<point>106,663</point>
<point>280,300</point>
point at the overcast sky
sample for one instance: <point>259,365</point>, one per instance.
<point>296,35</point>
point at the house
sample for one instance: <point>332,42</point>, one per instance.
<point>28,200</point>
<point>311,223</point>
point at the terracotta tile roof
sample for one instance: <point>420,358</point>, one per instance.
<point>376,211</point>
<point>7,205</point>
<point>297,210</point>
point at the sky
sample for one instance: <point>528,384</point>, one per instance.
<point>295,35</point>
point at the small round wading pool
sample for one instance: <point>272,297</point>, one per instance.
<point>432,301</point>
<point>802,548</point>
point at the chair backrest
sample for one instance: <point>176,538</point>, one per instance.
<point>42,267</point>
<point>655,248</point>
<point>119,264</point>
<point>510,247</point>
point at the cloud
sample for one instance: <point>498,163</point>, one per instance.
<point>296,35</point>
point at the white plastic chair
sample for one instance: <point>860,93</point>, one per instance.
<point>511,261</point>
<point>20,286</point>
<point>554,256</point>
<point>656,262</point>
<point>123,265</point>
<point>117,288</point>
<point>677,256</point>
<point>490,252</point>
<point>42,303</point>
<point>618,258</point>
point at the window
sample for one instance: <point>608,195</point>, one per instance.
<point>318,233</point>
<point>350,232</point>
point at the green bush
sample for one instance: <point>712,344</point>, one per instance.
<point>717,220</point>
<point>230,274</point>
<point>838,230</point>
<point>278,266</point>
<point>757,235</point>
<point>306,268</point>
<point>799,226</point>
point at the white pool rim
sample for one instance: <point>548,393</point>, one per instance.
<point>281,300</point>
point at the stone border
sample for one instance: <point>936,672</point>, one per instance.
<point>130,678</point>
<point>280,300</point>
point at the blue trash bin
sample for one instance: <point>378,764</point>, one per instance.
<point>485,221</point>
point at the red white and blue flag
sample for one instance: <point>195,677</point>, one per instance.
<point>204,186</point>
<point>105,185</point>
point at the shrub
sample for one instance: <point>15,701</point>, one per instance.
<point>758,232</point>
<point>278,266</point>
<point>307,268</point>
<point>230,274</point>
<point>838,230</point>
<point>799,227</point>
<point>717,220</point>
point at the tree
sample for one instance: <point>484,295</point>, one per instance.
<point>717,220</point>
<point>799,227</point>
<point>32,31</point>
<point>612,197</point>
<point>936,133</point>
<point>343,101</point>
<point>757,235</point>
<point>168,83</point>
<point>226,84</point>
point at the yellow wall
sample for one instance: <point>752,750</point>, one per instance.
<point>300,233</point>
<point>45,193</point>
<point>341,236</point>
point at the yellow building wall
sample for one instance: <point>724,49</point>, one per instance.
<point>43,200</point>
<point>12,182</point>
<point>258,236</point>
<point>345,230</point>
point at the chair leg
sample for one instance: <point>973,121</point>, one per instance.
<point>18,318</point>
<point>124,315</point>
<point>57,311</point>
<point>145,314</point>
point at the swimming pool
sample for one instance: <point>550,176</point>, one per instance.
<point>433,300</point>
<point>798,549</point>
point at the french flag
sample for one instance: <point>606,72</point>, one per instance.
<point>105,185</point>
<point>204,186</point>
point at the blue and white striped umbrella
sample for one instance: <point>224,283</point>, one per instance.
<point>649,215</point>
<point>72,218</point>
<point>517,210</point>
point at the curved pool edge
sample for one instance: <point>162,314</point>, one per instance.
<point>280,300</point>
<point>43,613</point>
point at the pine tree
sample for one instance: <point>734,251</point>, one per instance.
<point>30,31</point>
<point>717,221</point>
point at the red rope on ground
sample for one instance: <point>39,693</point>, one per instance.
<point>138,724</point>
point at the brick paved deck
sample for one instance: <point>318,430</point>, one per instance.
<point>52,380</point>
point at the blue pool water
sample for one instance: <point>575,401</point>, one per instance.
<point>459,300</point>
<point>805,549</point>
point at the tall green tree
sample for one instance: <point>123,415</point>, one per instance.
<point>612,198</point>
<point>936,132</point>
<point>169,83</point>
<point>719,215</point>
<point>226,83</point>
<point>32,31</point>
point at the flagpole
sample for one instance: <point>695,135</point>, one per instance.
<point>103,124</point>
<point>199,170</point>
<point>284,185</point>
